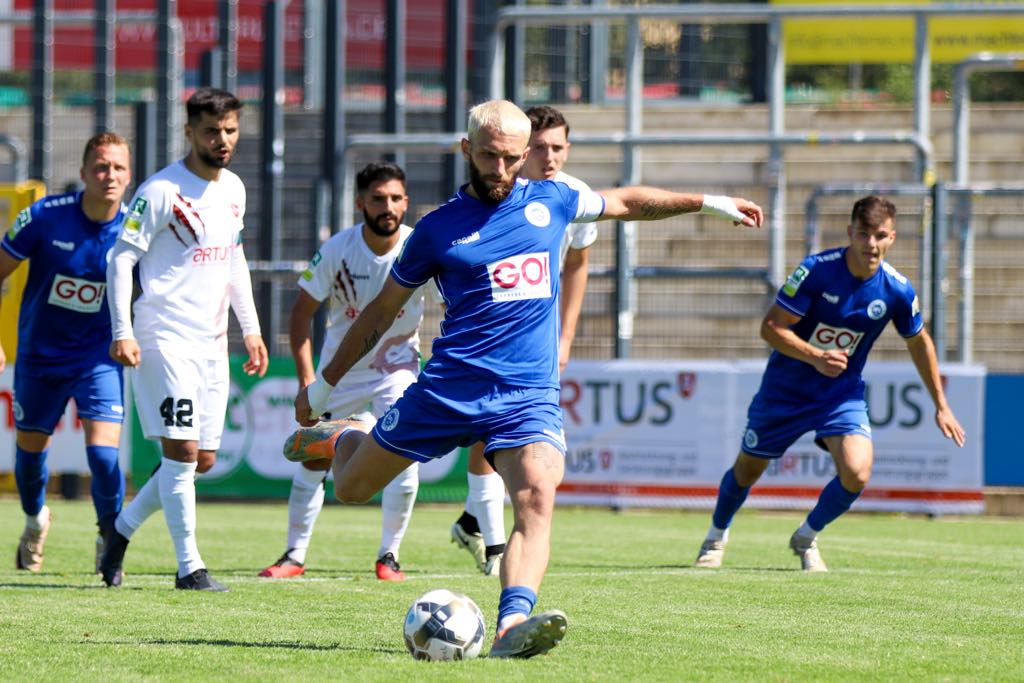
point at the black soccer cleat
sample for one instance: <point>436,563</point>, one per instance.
<point>199,580</point>
<point>112,560</point>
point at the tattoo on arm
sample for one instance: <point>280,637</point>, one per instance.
<point>652,210</point>
<point>370,342</point>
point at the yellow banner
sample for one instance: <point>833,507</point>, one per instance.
<point>874,40</point>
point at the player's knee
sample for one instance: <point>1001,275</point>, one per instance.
<point>351,492</point>
<point>205,460</point>
<point>855,480</point>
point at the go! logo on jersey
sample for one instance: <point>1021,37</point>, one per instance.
<point>525,276</point>
<point>827,337</point>
<point>76,294</point>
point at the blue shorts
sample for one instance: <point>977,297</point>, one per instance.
<point>773,427</point>
<point>432,418</point>
<point>41,395</point>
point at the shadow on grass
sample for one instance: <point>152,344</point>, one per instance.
<point>653,568</point>
<point>63,586</point>
<point>282,645</point>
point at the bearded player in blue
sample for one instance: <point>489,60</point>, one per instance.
<point>493,251</point>
<point>825,319</point>
<point>64,335</point>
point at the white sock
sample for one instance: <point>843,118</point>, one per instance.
<point>37,521</point>
<point>396,508</point>
<point>716,534</point>
<point>304,504</point>
<point>142,506</point>
<point>805,531</point>
<point>487,493</point>
<point>178,497</point>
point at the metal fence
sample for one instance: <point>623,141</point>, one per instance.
<point>687,287</point>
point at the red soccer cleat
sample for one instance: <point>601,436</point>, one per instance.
<point>388,569</point>
<point>284,568</point>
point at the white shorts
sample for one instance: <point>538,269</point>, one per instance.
<point>367,399</point>
<point>182,398</point>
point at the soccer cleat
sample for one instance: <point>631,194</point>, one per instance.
<point>199,580</point>
<point>535,636</point>
<point>710,555</point>
<point>112,560</point>
<point>807,550</point>
<point>99,551</point>
<point>314,443</point>
<point>388,569</point>
<point>284,568</point>
<point>29,556</point>
<point>471,543</point>
<point>493,565</point>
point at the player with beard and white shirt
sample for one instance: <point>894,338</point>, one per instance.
<point>184,231</point>
<point>481,528</point>
<point>347,272</point>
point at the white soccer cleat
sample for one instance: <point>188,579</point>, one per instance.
<point>710,555</point>
<point>807,550</point>
<point>30,546</point>
<point>493,565</point>
<point>471,543</point>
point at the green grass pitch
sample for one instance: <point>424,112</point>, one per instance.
<point>907,599</point>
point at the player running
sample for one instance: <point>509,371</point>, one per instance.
<point>493,252</point>
<point>481,528</point>
<point>63,337</point>
<point>822,326</point>
<point>184,230</point>
<point>348,271</point>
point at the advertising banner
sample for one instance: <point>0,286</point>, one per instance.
<point>663,434</point>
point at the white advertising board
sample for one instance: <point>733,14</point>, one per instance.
<point>663,433</point>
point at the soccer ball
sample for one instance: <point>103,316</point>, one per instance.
<point>442,626</point>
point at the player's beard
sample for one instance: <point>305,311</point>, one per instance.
<point>213,161</point>
<point>374,224</point>
<point>493,195</point>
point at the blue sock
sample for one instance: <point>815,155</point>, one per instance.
<point>107,482</point>
<point>31,475</point>
<point>516,600</point>
<point>833,501</point>
<point>730,498</point>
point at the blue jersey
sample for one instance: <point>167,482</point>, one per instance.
<point>64,320</point>
<point>497,269</point>
<point>837,311</point>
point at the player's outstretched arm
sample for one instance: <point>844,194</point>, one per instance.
<point>922,351</point>
<point>637,203</point>
<point>775,329</point>
<point>367,329</point>
<point>124,349</point>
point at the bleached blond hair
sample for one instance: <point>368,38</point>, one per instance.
<point>498,115</point>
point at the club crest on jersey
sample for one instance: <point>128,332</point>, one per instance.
<point>525,276</point>
<point>76,294</point>
<point>829,337</point>
<point>876,309</point>
<point>794,281</point>
<point>389,421</point>
<point>537,214</point>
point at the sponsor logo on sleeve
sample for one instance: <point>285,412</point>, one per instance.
<point>794,281</point>
<point>915,307</point>
<point>750,438</point>
<point>139,207</point>
<point>526,276</point>
<point>76,294</point>
<point>877,309</point>
<point>24,218</point>
<point>390,420</point>
<point>132,225</point>
<point>829,337</point>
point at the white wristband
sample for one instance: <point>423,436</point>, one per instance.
<point>721,206</point>
<point>318,392</point>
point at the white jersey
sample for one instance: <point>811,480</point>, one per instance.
<point>577,235</point>
<point>348,274</point>
<point>189,228</point>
